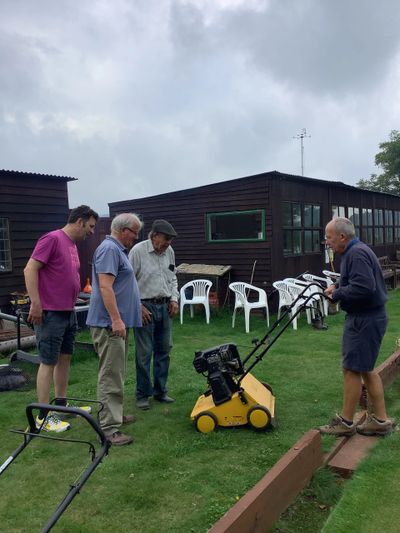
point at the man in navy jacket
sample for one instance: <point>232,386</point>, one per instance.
<point>362,294</point>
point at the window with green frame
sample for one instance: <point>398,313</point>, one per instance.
<point>236,226</point>
<point>301,228</point>
<point>5,246</point>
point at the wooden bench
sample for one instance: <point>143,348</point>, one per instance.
<point>390,270</point>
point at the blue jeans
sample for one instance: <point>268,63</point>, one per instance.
<point>155,340</point>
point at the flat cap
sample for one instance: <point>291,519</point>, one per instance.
<point>163,226</point>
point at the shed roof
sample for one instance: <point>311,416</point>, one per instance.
<point>274,174</point>
<point>34,175</point>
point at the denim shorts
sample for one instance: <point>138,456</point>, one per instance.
<point>362,337</point>
<point>56,335</point>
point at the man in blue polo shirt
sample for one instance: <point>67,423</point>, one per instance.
<point>362,294</point>
<point>114,307</point>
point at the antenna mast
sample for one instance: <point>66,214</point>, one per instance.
<point>302,136</point>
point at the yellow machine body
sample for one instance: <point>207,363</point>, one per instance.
<point>257,409</point>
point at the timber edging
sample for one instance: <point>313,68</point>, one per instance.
<point>259,508</point>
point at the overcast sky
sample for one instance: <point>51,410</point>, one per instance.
<point>141,97</point>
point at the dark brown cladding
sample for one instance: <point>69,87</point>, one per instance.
<point>33,204</point>
<point>264,261</point>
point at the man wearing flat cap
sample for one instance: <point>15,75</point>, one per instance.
<point>153,261</point>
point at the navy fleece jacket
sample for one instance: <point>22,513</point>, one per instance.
<point>361,287</point>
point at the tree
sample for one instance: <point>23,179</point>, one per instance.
<point>389,160</point>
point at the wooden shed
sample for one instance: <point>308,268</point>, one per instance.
<point>30,205</point>
<point>270,225</point>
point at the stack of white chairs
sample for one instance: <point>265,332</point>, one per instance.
<point>299,289</point>
<point>288,293</point>
<point>316,301</point>
<point>325,282</point>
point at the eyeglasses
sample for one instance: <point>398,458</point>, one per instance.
<point>131,230</point>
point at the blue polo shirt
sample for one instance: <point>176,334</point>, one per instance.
<point>111,257</point>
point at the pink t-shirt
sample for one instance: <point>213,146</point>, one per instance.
<point>59,281</point>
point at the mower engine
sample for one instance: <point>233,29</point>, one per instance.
<point>221,363</point>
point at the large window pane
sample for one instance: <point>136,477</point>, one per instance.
<point>308,218</point>
<point>236,226</point>
<point>296,215</point>
<point>308,241</point>
<point>378,235</point>
<point>389,235</point>
<point>287,242</point>
<point>297,242</point>
<point>316,216</point>
<point>287,214</point>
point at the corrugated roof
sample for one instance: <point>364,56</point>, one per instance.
<point>36,174</point>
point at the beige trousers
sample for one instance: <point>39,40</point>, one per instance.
<point>112,352</point>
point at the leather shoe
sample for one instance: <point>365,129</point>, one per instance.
<point>119,439</point>
<point>128,419</point>
<point>143,403</point>
<point>164,398</point>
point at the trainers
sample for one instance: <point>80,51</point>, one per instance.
<point>86,408</point>
<point>372,426</point>
<point>338,427</point>
<point>51,423</point>
<point>119,439</point>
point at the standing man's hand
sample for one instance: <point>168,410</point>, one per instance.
<point>35,313</point>
<point>146,315</point>
<point>173,308</point>
<point>118,327</point>
<point>329,291</point>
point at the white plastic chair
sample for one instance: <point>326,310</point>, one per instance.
<point>196,292</point>
<point>242,290</point>
<point>298,292</point>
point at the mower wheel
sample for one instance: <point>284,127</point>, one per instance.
<point>259,417</point>
<point>206,422</point>
<point>268,387</point>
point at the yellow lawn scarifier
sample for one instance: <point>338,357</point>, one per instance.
<point>235,397</point>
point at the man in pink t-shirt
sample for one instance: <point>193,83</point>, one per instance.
<point>53,284</point>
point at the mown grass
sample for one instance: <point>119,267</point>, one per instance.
<point>173,479</point>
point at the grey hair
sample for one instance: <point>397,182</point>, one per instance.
<point>344,226</point>
<point>125,220</point>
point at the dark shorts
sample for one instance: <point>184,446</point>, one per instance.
<point>56,335</point>
<point>362,337</point>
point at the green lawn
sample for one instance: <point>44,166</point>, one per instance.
<point>173,479</point>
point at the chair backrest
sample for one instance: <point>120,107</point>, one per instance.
<point>242,290</point>
<point>318,279</point>
<point>331,275</point>
<point>200,287</point>
<point>285,297</point>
